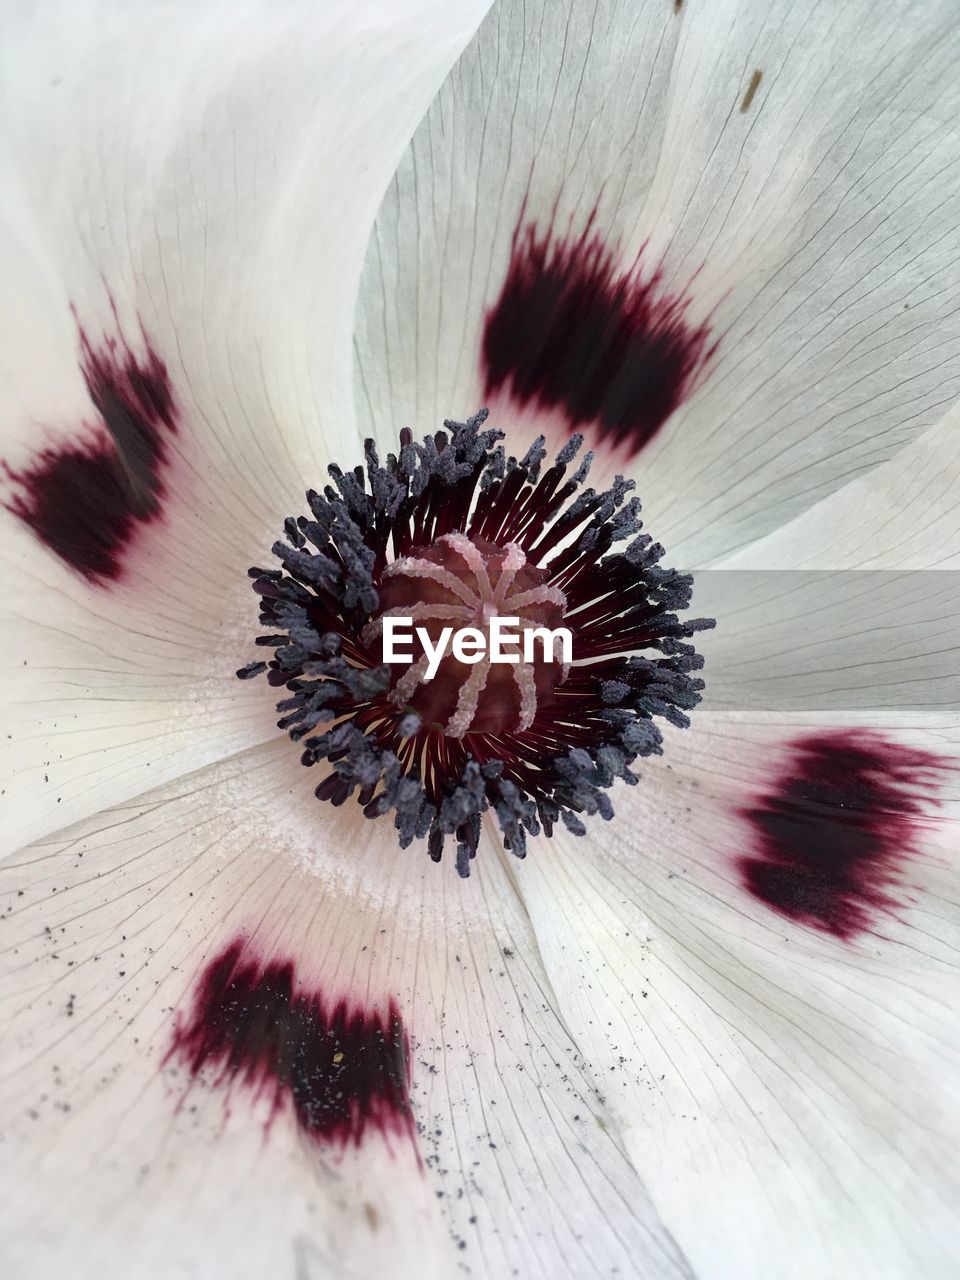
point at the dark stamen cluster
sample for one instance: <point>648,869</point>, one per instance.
<point>631,658</point>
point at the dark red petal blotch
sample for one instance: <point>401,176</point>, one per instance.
<point>832,834</point>
<point>86,500</point>
<point>574,332</point>
<point>344,1070</point>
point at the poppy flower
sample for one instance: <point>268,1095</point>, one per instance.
<point>688,1008</point>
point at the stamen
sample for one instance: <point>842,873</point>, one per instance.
<point>451,531</point>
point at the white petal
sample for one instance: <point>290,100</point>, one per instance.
<point>854,604</point>
<point>118,917</point>
<point>788,1097</point>
<point>791,640</point>
<point>815,230</point>
<point>901,515</point>
<point>206,174</point>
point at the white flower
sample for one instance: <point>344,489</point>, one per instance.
<point>714,1037</point>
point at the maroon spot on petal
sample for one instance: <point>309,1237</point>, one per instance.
<point>343,1069</point>
<point>605,346</point>
<point>833,833</point>
<point>86,500</point>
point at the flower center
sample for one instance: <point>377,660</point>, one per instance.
<point>451,534</point>
<point>459,583</point>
